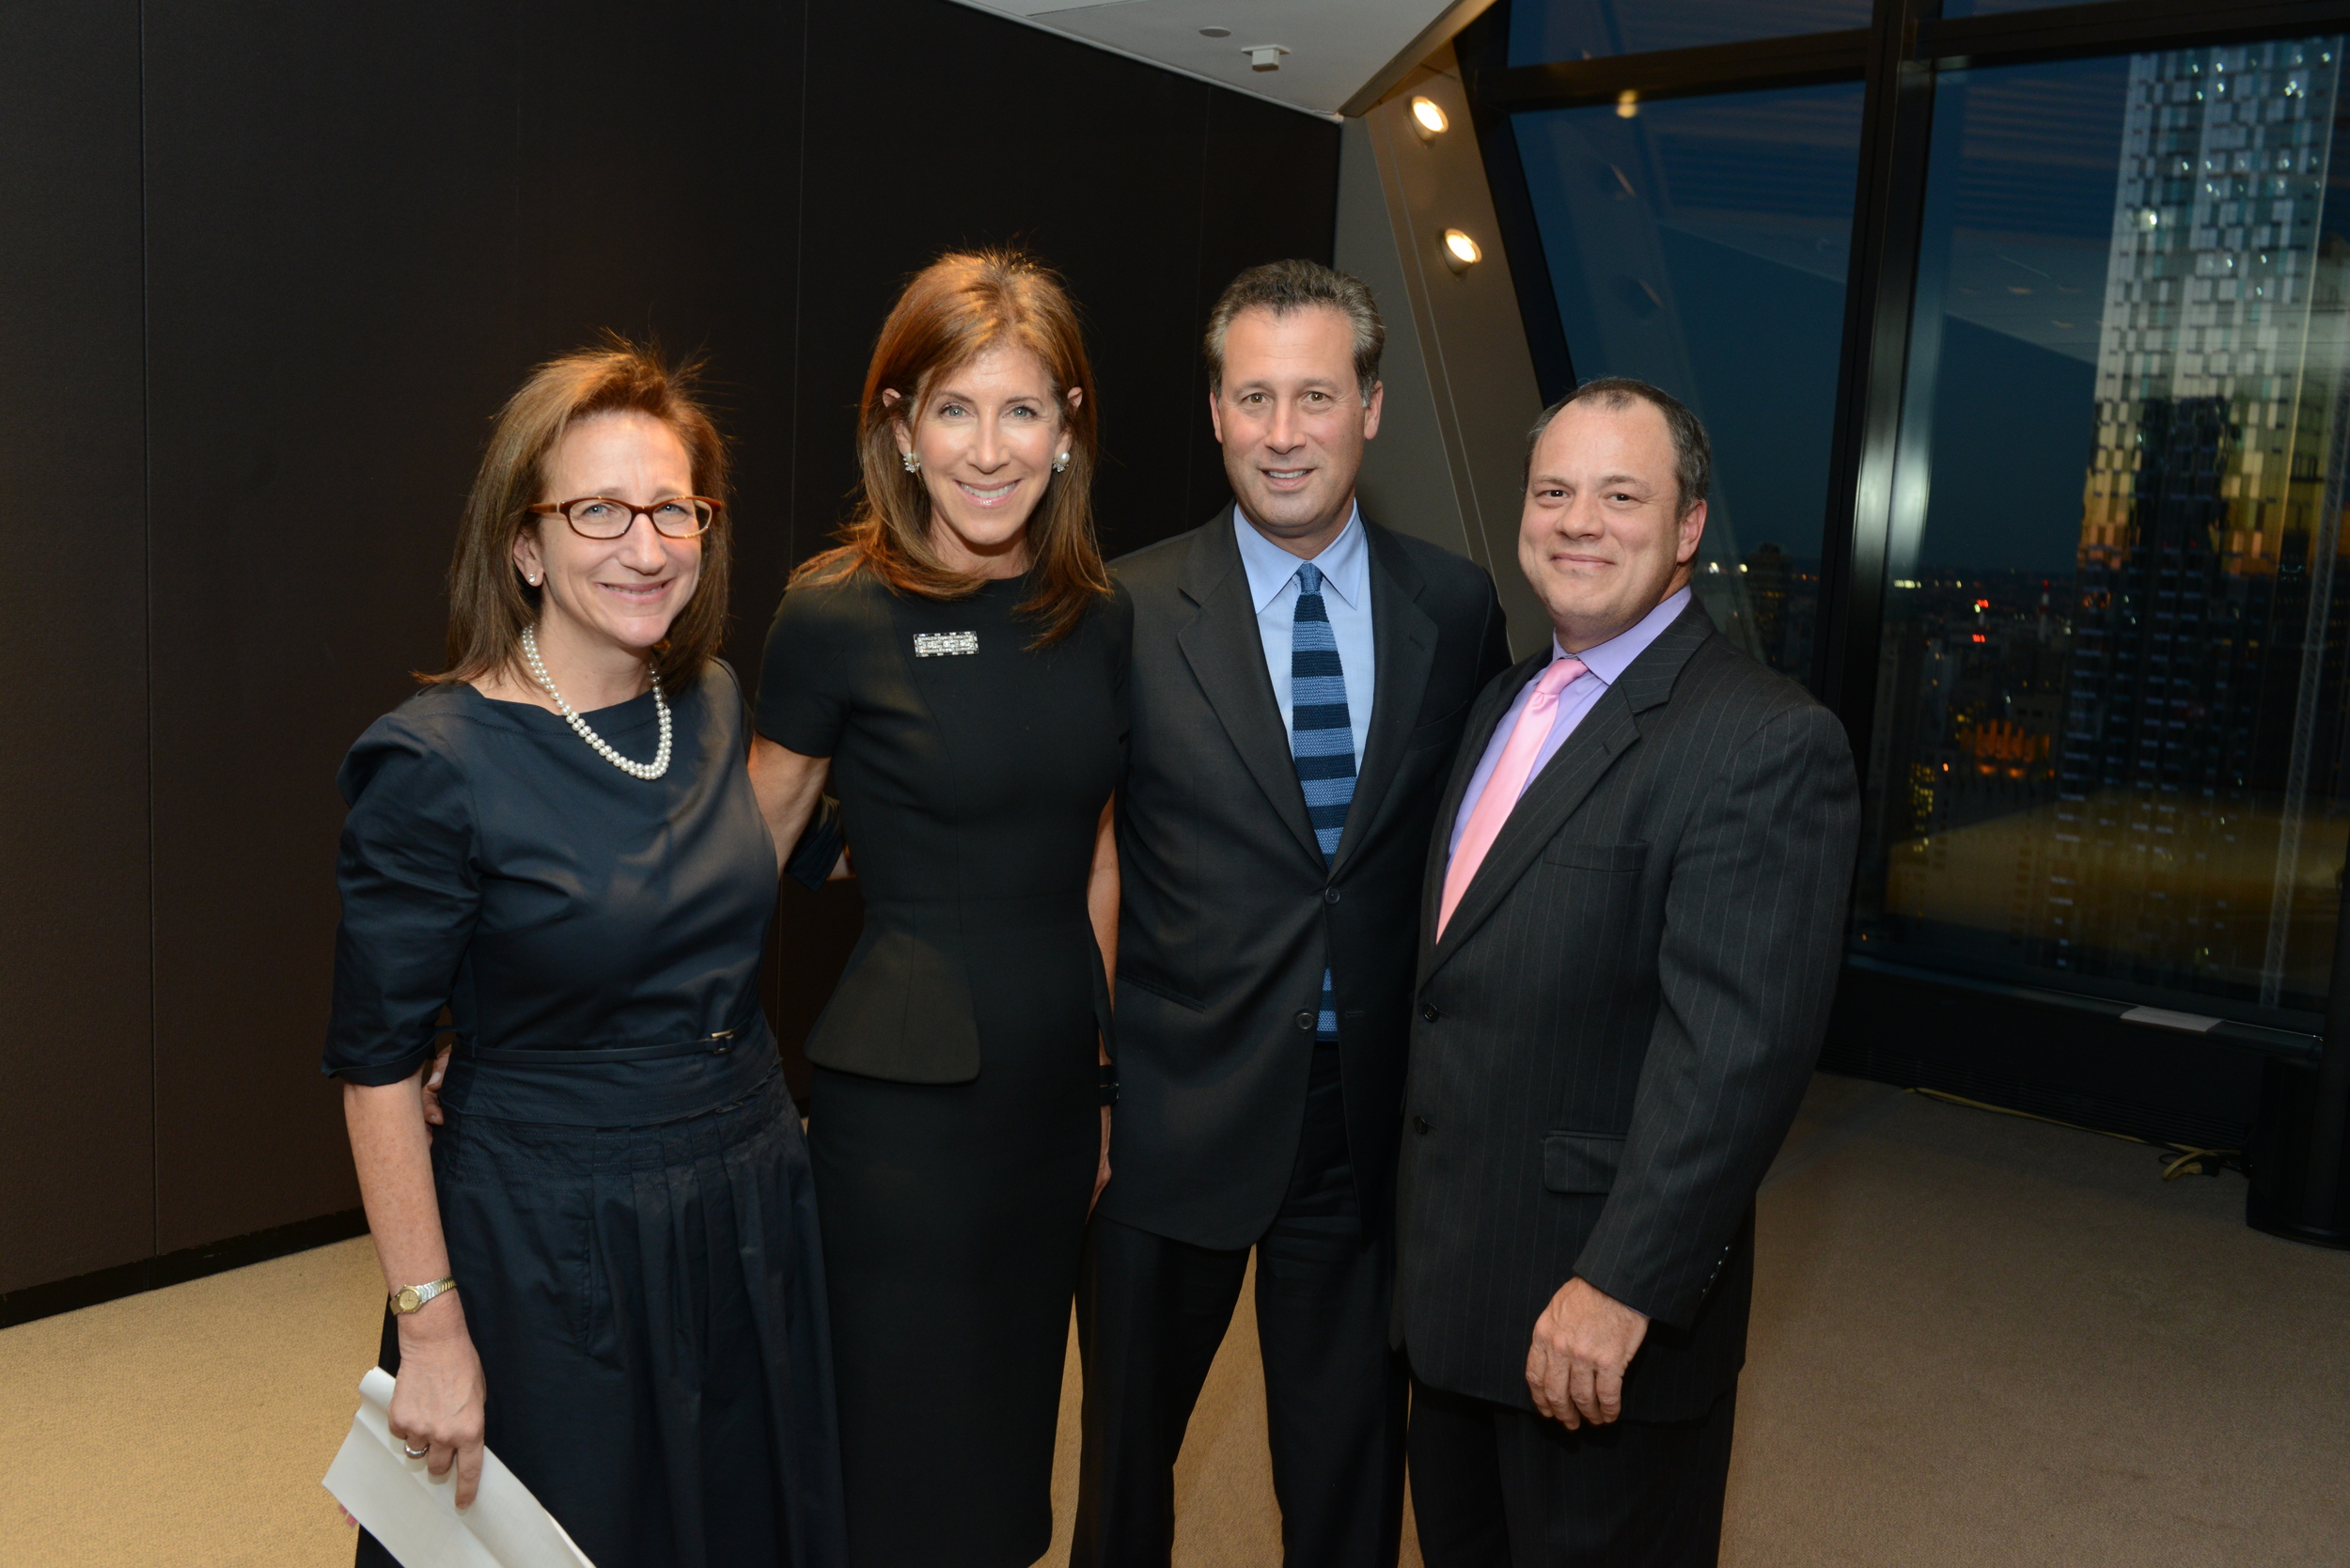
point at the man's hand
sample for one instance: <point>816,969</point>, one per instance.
<point>432,1087</point>
<point>1583,1343</point>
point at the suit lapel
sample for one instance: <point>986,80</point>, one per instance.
<point>1609,729</point>
<point>1226,651</point>
<point>1405,642</point>
<point>1491,703</point>
<point>1605,734</point>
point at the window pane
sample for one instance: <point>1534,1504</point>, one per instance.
<point>1586,29</point>
<point>2110,748</point>
<point>1700,244</point>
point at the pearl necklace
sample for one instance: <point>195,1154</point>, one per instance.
<point>654,769</point>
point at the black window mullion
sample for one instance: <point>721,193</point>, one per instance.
<point>2120,27</point>
<point>2008,38</point>
<point>1482,48</point>
<point>1879,291</point>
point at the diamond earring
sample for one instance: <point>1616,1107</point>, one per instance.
<point>1061,463</point>
<point>913,464</point>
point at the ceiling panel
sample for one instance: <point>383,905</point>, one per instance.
<point>1331,50</point>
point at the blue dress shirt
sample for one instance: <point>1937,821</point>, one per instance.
<point>1606,665</point>
<point>1345,565</point>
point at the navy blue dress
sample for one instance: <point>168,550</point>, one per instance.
<point>622,1180</point>
<point>957,1121</point>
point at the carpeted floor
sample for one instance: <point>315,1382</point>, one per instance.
<point>1978,1340</point>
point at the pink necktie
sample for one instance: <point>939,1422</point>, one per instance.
<point>1505,783</point>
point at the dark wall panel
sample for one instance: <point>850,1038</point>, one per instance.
<point>366,227</point>
<point>75,1154</point>
<point>676,219</point>
<point>335,290</point>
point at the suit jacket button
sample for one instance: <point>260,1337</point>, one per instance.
<point>1329,895</point>
<point>1304,1020</point>
<point>1428,1014</point>
<point>1419,1124</point>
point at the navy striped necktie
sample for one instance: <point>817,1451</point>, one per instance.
<point>1322,738</point>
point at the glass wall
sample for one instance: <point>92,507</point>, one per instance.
<point>1701,244</point>
<point>2106,736</point>
<point>2108,747</point>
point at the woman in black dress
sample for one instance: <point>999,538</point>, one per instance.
<point>959,667</point>
<point>606,1261</point>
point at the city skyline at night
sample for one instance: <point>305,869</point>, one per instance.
<point>2125,773</point>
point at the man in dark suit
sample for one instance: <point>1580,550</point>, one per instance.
<point>1633,922</point>
<point>1300,679</point>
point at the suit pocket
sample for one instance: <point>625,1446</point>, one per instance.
<point>1596,858</point>
<point>1126,977</point>
<point>1581,1162</point>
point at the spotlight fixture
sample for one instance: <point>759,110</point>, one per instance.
<point>1265,57</point>
<point>1215,32</point>
<point>1461,253</point>
<point>1627,105</point>
<point>1428,119</point>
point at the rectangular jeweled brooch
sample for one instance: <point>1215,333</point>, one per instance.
<point>931,645</point>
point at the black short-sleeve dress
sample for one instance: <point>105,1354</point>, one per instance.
<point>622,1180</point>
<point>955,1118</point>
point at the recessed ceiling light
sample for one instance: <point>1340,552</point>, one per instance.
<point>1215,32</point>
<point>1428,117</point>
<point>1461,253</point>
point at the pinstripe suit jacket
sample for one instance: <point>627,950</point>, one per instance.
<point>1611,1039</point>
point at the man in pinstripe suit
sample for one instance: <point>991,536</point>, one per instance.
<point>1632,925</point>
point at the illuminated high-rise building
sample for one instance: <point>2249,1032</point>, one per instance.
<point>2209,532</point>
<point>2121,785</point>
<point>2218,289</point>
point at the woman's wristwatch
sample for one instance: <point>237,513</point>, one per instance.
<point>408,1298</point>
<point>1109,1083</point>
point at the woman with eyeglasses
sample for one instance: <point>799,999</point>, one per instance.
<point>605,1261</point>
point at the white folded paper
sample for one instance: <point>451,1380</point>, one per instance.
<point>415,1516</point>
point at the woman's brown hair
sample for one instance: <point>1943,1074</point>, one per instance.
<point>954,311</point>
<point>488,603</point>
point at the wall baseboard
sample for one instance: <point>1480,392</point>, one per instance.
<point>2160,1085</point>
<point>174,1268</point>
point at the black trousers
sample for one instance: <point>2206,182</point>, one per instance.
<point>1497,1488</point>
<point>1150,1313</point>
